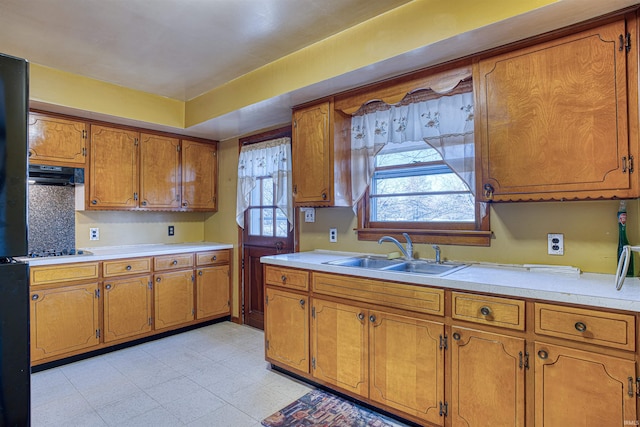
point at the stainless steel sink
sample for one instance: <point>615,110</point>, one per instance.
<point>372,262</point>
<point>398,265</point>
<point>423,267</point>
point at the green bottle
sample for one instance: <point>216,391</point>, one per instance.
<point>622,234</point>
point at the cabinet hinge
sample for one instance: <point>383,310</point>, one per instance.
<point>524,360</point>
<point>625,42</point>
<point>150,284</point>
<point>150,321</point>
<point>84,152</point>
<point>193,312</point>
<point>444,409</point>
<point>443,342</point>
<point>84,134</point>
<point>228,303</point>
<point>135,141</point>
<point>638,387</point>
<point>295,123</point>
<point>242,266</point>
<point>193,277</point>
<point>313,312</point>
<point>135,196</point>
<point>178,148</point>
<point>630,164</point>
<point>98,293</point>
<point>214,200</point>
<point>266,344</point>
<point>267,300</point>
<point>97,333</point>
<point>313,362</point>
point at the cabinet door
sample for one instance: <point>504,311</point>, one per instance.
<point>57,141</point>
<point>487,372</point>
<point>64,320</point>
<point>553,118</point>
<point>580,388</point>
<point>159,172</point>
<point>212,292</point>
<point>286,329</point>
<point>407,364</point>
<point>312,157</point>
<point>199,176</point>
<point>340,346</point>
<point>173,298</point>
<point>127,307</point>
<point>113,171</point>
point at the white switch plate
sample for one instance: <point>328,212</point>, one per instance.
<point>555,244</point>
<point>333,235</point>
<point>94,234</point>
<point>309,215</point>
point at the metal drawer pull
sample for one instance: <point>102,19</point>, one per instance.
<point>213,258</point>
<point>485,311</point>
<point>456,336</point>
<point>543,354</point>
<point>175,262</point>
<point>283,278</point>
<point>580,327</point>
<point>128,267</point>
<point>361,316</point>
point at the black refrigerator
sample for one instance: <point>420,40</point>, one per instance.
<point>15,364</point>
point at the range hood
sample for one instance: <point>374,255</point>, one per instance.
<point>55,175</point>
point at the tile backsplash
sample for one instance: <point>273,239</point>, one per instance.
<point>51,217</point>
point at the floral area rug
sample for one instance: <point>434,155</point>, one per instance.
<point>321,409</point>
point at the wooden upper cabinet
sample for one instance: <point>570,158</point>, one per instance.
<point>159,172</point>
<point>319,169</point>
<point>113,169</point>
<point>57,141</point>
<point>199,176</point>
<point>552,120</point>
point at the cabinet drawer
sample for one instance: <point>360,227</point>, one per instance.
<point>170,262</point>
<point>212,257</point>
<point>589,326</point>
<point>287,277</point>
<point>63,273</point>
<point>503,312</point>
<point>397,295</point>
<point>126,266</point>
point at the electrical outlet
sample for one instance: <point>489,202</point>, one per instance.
<point>94,234</point>
<point>309,215</point>
<point>171,230</point>
<point>555,244</point>
<point>333,235</point>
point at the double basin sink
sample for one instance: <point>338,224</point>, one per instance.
<point>370,262</point>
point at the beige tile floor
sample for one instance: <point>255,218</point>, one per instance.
<point>211,376</point>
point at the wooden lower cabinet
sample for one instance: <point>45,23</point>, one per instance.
<point>173,298</point>
<point>487,379</point>
<point>407,364</point>
<point>340,345</point>
<point>582,388</point>
<point>286,329</point>
<point>212,292</point>
<point>127,308</point>
<point>64,320</point>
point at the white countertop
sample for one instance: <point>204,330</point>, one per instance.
<point>115,252</point>
<point>518,281</point>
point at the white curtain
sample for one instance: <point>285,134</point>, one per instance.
<point>269,158</point>
<point>445,123</point>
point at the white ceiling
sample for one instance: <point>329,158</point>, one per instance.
<point>183,48</point>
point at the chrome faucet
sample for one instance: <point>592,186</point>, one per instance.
<point>437,248</point>
<point>408,253</point>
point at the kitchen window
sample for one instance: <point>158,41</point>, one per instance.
<point>413,169</point>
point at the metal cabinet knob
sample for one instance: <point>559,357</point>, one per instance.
<point>35,297</point>
<point>302,302</point>
<point>485,311</point>
<point>200,273</point>
<point>144,203</point>
<point>372,318</point>
<point>94,202</point>
<point>361,316</point>
<point>543,354</point>
<point>128,268</point>
<point>324,196</point>
<point>456,336</point>
<point>108,286</point>
<point>158,279</point>
<point>580,327</point>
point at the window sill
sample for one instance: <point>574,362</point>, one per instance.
<point>440,237</point>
